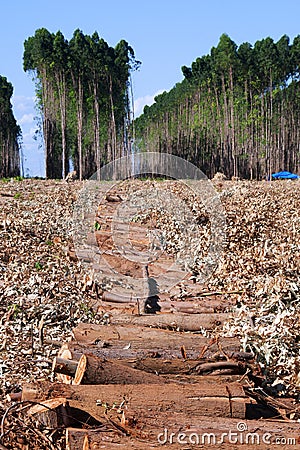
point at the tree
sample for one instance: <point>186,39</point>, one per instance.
<point>10,133</point>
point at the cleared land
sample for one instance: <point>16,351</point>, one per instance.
<point>183,368</point>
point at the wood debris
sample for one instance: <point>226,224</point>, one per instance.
<point>83,367</point>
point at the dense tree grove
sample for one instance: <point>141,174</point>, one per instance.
<point>82,86</point>
<point>9,133</point>
<point>237,110</point>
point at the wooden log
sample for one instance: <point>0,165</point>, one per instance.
<point>64,353</point>
<point>44,390</point>
<point>190,307</point>
<point>190,367</point>
<point>151,362</point>
<point>14,396</point>
<point>48,412</point>
<point>64,366</point>
<point>142,336</point>
<point>220,365</point>
<point>225,400</point>
<point>114,298</point>
<point>113,198</point>
<point>180,321</point>
<point>138,351</point>
<point>93,370</point>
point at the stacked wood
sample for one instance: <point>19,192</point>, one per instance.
<point>100,356</point>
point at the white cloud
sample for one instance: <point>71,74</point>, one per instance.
<point>26,118</point>
<point>140,102</point>
<point>23,103</point>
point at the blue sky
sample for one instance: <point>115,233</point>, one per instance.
<point>165,35</point>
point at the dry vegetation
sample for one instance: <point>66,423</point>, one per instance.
<point>45,292</point>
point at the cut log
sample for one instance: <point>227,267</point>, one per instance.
<point>183,322</point>
<point>93,370</point>
<point>81,370</point>
<point>44,390</point>
<point>64,353</point>
<point>87,364</point>
<point>113,198</point>
<point>139,336</point>
<point>220,365</point>
<point>177,366</point>
<point>196,307</point>
<point>64,366</point>
<point>227,400</point>
<point>139,350</point>
<point>49,412</point>
<point>115,338</point>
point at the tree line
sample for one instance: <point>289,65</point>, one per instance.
<point>237,110</point>
<point>82,87</point>
<point>10,133</point>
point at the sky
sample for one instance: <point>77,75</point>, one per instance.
<point>165,35</point>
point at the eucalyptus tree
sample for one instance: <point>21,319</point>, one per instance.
<point>77,67</point>
<point>38,60</point>
<point>59,71</point>
<point>10,133</point>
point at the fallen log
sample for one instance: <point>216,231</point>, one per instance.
<point>225,400</point>
<point>49,412</point>
<point>140,350</point>
<point>152,362</point>
<point>188,307</point>
<point>113,198</point>
<point>178,321</point>
<point>145,337</point>
<point>92,370</point>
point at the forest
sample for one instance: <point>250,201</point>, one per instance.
<point>237,110</point>
<point>10,133</point>
<point>83,91</point>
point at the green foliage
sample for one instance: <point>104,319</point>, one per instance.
<point>38,266</point>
